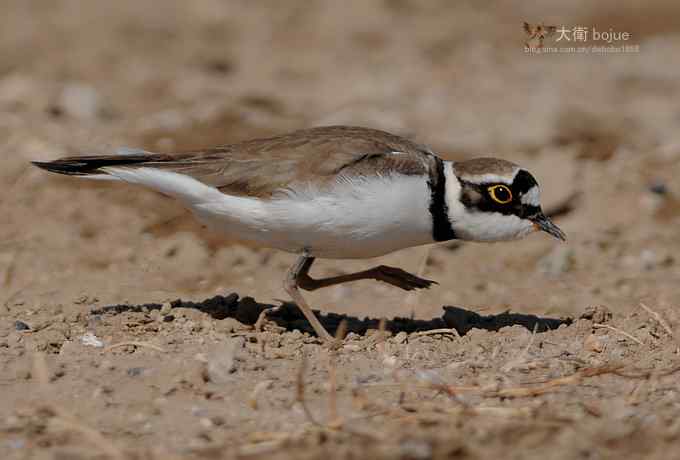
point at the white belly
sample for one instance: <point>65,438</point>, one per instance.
<point>358,219</point>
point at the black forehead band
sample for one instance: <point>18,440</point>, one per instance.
<point>523,181</point>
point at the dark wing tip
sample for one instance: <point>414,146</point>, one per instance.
<point>86,165</point>
<point>69,167</point>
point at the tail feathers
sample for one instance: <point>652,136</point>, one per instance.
<point>90,165</point>
<point>136,168</point>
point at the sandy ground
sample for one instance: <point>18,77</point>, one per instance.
<point>126,330</point>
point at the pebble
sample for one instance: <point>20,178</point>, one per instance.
<point>90,340</point>
<point>16,443</point>
<point>352,348</point>
<point>80,101</point>
<point>198,411</point>
<point>401,337</point>
<point>597,314</point>
<point>222,361</point>
<point>658,188</point>
<point>593,343</point>
<point>21,326</point>
<point>135,371</point>
<point>166,308</point>
<point>415,449</point>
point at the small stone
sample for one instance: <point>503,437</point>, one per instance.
<point>597,314</point>
<point>222,361</point>
<point>658,188</point>
<point>198,411</point>
<point>90,340</point>
<point>415,450</point>
<point>352,336</point>
<point>21,326</point>
<point>229,325</point>
<point>135,371</point>
<point>79,101</point>
<point>103,390</point>
<point>352,348</point>
<point>23,374</point>
<point>593,343</point>
<point>648,259</point>
<point>166,308</point>
<point>205,423</point>
<point>16,443</point>
<point>218,420</point>
<point>401,337</point>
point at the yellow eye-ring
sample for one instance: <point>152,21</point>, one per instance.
<point>500,194</point>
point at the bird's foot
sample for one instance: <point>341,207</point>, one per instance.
<point>401,279</point>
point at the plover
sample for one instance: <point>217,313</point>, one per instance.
<point>334,192</point>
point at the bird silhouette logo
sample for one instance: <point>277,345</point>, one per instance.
<point>537,33</point>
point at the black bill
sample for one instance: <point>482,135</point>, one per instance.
<point>543,223</point>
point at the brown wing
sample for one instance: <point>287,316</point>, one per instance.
<point>262,167</point>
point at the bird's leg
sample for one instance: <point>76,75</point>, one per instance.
<point>391,275</point>
<point>291,284</point>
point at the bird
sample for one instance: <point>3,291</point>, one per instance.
<point>537,33</point>
<point>334,192</point>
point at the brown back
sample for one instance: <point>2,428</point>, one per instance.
<point>261,167</point>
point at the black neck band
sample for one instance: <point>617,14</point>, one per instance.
<point>441,225</point>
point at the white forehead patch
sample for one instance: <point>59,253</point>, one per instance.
<point>490,178</point>
<point>532,197</point>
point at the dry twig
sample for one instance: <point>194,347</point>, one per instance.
<point>136,344</point>
<point>259,388</point>
<point>300,392</point>
<point>619,331</point>
<point>659,318</point>
<point>521,358</point>
<point>447,331</point>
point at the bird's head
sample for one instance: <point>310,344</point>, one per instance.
<point>495,200</point>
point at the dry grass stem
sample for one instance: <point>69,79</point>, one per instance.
<point>136,344</point>
<point>659,319</point>
<point>536,388</point>
<point>259,388</point>
<point>442,331</point>
<point>300,392</point>
<point>522,357</point>
<point>618,331</point>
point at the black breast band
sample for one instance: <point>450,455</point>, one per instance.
<point>441,225</point>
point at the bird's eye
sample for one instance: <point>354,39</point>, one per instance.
<point>500,194</point>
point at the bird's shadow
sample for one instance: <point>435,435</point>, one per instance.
<point>246,310</point>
